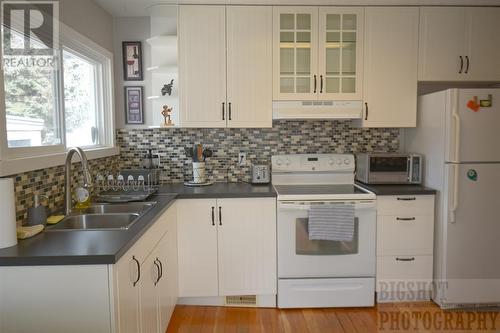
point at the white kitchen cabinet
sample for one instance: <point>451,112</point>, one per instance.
<point>317,53</point>
<point>390,67</point>
<point>483,43</point>
<point>127,294</point>
<point>459,44</point>
<point>405,238</point>
<point>144,279</point>
<point>249,66</point>
<point>202,66</point>
<point>148,294</point>
<point>227,247</point>
<point>197,247</point>
<point>247,246</point>
<point>225,66</point>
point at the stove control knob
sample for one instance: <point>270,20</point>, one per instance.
<point>331,162</point>
<point>279,162</point>
<point>287,162</point>
<point>347,161</point>
<point>339,162</point>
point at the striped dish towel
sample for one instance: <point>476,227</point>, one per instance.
<point>333,222</point>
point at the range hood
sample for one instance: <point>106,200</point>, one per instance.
<point>317,109</point>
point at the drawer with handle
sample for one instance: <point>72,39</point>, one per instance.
<point>405,235</point>
<point>405,205</point>
<point>404,268</point>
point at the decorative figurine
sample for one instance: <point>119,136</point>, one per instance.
<point>167,88</point>
<point>166,114</point>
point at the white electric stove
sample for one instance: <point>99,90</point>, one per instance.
<point>320,273</point>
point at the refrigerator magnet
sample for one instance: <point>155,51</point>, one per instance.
<point>472,175</point>
<point>473,104</point>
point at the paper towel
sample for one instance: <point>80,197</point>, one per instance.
<point>8,236</point>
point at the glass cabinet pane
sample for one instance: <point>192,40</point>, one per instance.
<point>340,52</point>
<point>295,52</point>
<point>287,21</point>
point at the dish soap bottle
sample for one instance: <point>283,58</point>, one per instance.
<point>82,197</point>
<point>37,214</point>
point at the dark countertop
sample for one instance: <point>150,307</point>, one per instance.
<point>397,189</point>
<point>219,190</point>
<point>87,247</point>
<point>82,247</point>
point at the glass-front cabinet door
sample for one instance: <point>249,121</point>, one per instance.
<point>295,54</point>
<point>340,53</point>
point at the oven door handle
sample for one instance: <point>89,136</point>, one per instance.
<point>307,206</point>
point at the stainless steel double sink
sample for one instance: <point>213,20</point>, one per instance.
<point>104,217</point>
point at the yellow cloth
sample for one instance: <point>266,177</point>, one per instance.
<point>54,219</point>
<point>27,232</point>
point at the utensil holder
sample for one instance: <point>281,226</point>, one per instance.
<point>199,172</point>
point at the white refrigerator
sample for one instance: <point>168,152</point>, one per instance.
<point>458,132</point>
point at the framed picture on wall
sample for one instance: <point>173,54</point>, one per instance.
<point>134,105</point>
<point>132,61</point>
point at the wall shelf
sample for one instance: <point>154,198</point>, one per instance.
<point>162,41</point>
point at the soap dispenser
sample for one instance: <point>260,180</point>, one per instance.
<point>37,214</point>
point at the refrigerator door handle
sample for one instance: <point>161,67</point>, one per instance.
<point>456,117</point>
<point>455,194</point>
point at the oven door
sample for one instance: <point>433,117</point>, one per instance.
<point>299,257</point>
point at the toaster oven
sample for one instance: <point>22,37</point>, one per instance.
<point>389,168</point>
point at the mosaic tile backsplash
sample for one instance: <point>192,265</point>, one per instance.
<point>50,182</point>
<point>286,137</point>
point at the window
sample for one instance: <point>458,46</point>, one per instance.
<point>81,99</point>
<point>31,103</point>
<point>49,109</point>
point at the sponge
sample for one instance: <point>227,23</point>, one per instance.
<point>54,219</point>
<point>29,231</point>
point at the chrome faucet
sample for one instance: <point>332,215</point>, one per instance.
<point>87,178</point>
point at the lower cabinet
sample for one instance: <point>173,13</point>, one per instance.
<point>145,280</point>
<point>135,295</point>
<point>405,230</point>
<point>227,247</point>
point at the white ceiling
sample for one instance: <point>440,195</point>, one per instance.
<point>120,8</point>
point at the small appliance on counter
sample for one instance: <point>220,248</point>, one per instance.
<point>260,174</point>
<point>374,168</point>
<point>199,156</point>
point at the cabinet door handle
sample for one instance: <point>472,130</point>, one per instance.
<point>405,218</point>
<point>138,271</point>
<point>461,65</point>
<point>366,114</point>
<point>213,215</point>
<point>321,84</point>
<point>158,270</point>
<point>407,199</point>
<point>220,215</point>
<point>314,84</point>
<point>223,111</point>
<point>405,259</point>
<point>161,268</point>
<point>229,109</point>
<point>467,66</point>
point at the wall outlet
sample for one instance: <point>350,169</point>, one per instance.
<point>242,159</point>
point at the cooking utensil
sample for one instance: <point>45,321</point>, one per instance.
<point>199,153</point>
<point>207,153</point>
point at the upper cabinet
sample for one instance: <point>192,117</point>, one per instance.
<point>459,44</point>
<point>317,53</point>
<point>390,67</point>
<point>225,66</point>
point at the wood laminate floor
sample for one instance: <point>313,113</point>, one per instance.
<point>398,317</point>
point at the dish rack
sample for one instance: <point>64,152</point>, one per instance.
<point>129,185</point>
